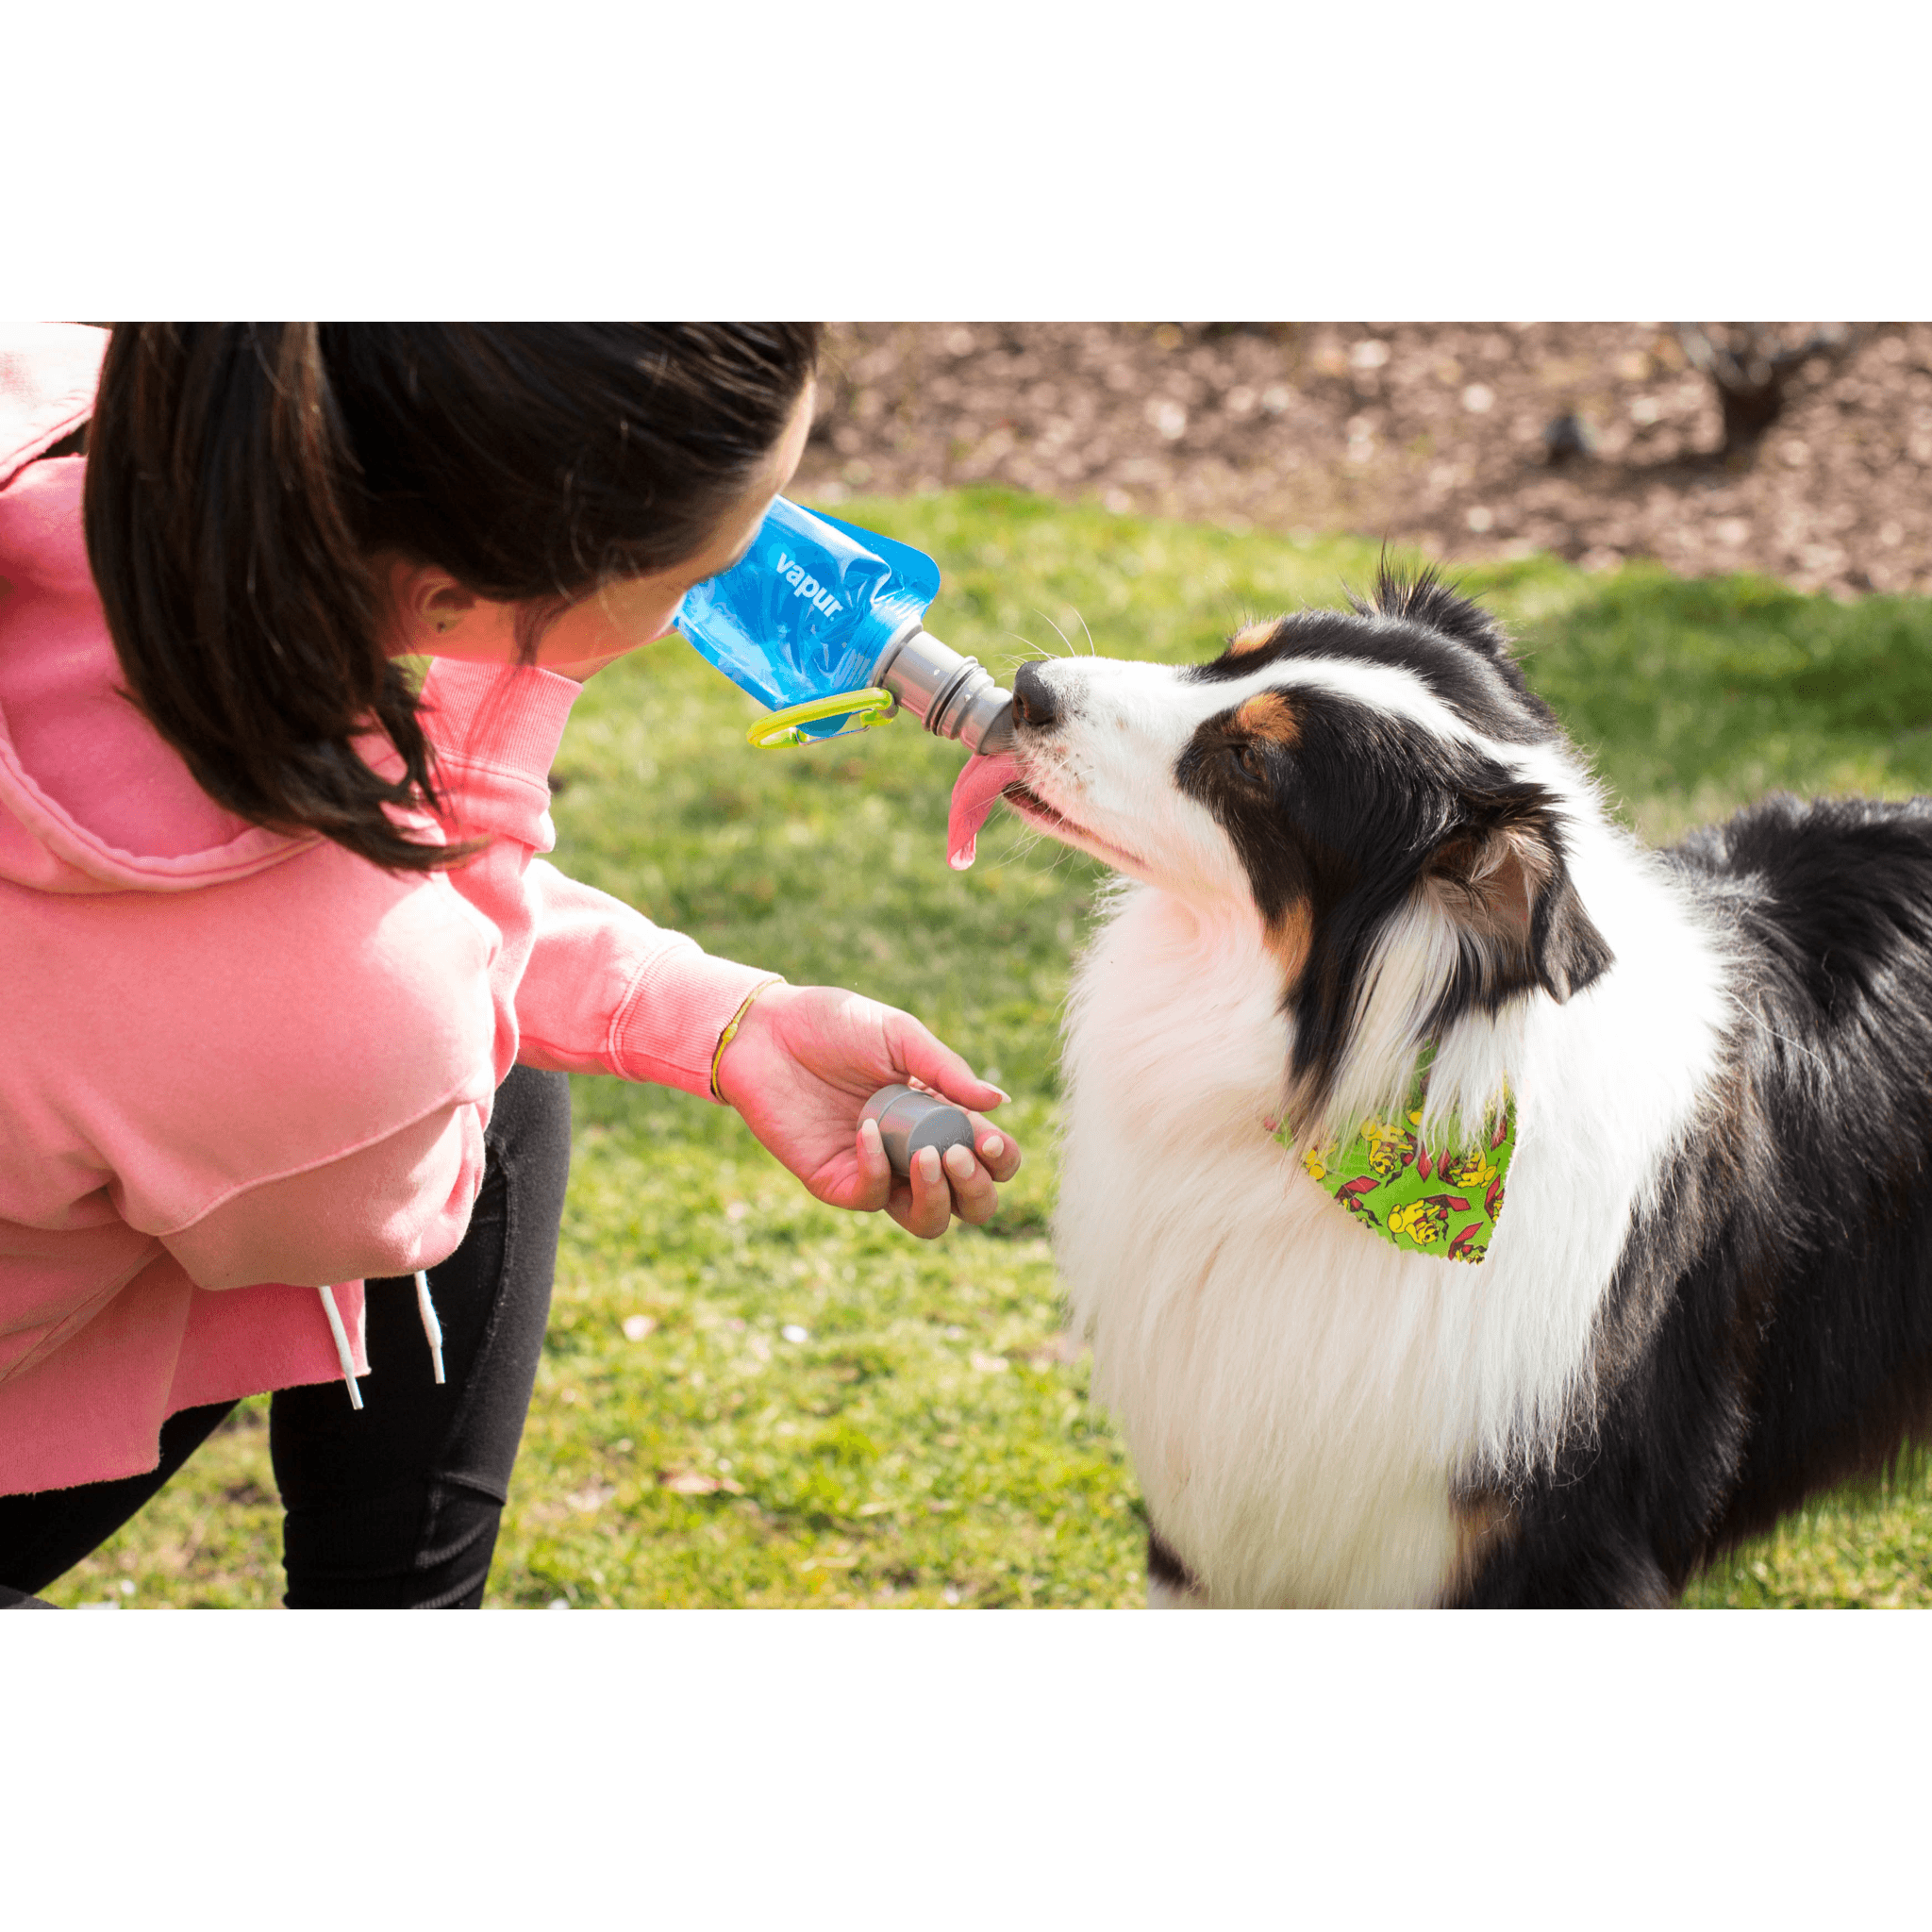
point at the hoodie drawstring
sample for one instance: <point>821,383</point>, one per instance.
<point>432,1328</point>
<point>426,1313</point>
<point>342,1336</point>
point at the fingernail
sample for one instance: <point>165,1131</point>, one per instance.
<point>959,1163</point>
<point>868,1133</point>
<point>929,1163</point>
<point>1000,1091</point>
<point>993,1146</point>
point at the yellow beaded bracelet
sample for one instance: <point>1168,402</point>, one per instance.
<point>737,1019</point>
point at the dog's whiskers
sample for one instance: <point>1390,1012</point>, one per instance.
<point>1056,631</point>
<point>1039,654</point>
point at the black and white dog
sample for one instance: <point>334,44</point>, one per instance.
<point>1355,837</point>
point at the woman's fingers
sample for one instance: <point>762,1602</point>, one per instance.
<point>941,1187</point>
<point>934,1064</point>
<point>928,1207</point>
<point>973,1196</point>
<point>1000,1151</point>
<point>874,1170</point>
<point>922,1204</point>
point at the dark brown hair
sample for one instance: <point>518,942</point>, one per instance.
<point>243,478</point>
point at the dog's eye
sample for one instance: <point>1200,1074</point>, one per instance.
<point>1252,765</point>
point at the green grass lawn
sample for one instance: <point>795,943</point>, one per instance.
<point>929,1441</point>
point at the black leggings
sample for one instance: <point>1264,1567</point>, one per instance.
<point>395,1505</point>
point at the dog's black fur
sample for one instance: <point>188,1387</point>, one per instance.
<point>1770,1330</point>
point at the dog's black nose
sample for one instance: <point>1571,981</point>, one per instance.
<point>1033,700</point>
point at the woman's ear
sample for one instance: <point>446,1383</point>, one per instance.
<point>426,606</point>
<point>436,601</point>
<point>1500,877</point>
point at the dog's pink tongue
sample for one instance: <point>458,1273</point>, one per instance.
<point>979,783</point>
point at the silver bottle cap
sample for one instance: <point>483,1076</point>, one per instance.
<point>910,1120</point>
<point>951,695</point>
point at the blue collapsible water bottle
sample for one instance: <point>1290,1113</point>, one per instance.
<point>824,624</point>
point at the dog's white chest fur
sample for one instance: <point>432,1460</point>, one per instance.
<point>1298,1396</point>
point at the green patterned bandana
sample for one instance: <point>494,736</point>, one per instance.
<point>1443,1201</point>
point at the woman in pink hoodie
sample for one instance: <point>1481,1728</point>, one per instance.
<point>292,990</point>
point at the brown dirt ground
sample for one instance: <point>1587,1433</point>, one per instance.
<point>1428,434</point>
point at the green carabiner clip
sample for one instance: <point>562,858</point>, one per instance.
<point>869,707</point>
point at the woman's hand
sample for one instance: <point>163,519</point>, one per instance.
<point>807,1059</point>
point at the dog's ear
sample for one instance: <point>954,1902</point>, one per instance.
<point>1501,878</point>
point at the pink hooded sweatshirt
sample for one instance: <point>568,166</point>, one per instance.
<point>235,1065</point>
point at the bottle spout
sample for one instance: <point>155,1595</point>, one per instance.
<point>998,733</point>
<point>951,695</point>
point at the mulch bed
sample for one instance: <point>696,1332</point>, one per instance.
<point>1432,435</point>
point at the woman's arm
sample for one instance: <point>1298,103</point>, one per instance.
<point>595,987</point>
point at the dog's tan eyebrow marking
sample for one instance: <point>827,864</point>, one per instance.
<point>1251,637</point>
<point>1271,716</point>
